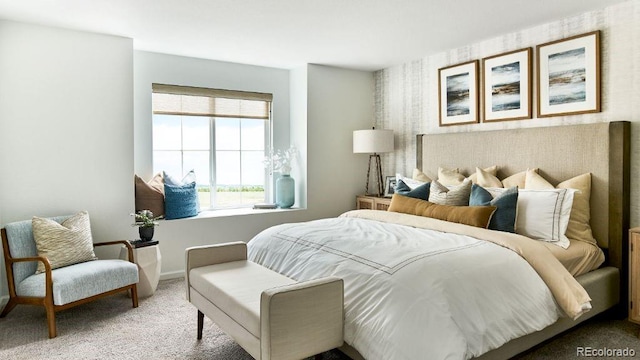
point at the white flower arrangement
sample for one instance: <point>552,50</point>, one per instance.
<point>280,161</point>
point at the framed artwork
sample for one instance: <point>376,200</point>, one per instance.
<point>390,186</point>
<point>569,76</point>
<point>458,94</point>
<point>506,86</point>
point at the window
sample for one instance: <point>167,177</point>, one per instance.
<point>220,134</point>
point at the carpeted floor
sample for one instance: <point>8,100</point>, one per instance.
<point>164,327</point>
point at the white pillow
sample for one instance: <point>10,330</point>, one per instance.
<point>409,181</point>
<point>544,214</point>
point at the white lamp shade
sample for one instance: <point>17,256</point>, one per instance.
<point>372,141</point>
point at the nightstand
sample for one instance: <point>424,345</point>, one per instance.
<point>149,260</point>
<point>634,275</point>
<point>372,202</point>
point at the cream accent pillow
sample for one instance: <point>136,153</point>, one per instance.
<point>420,176</point>
<point>485,179</point>
<point>517,179</point>
<point>449,177</point>
<point>454,195</point>
<point>63,244</point>
<point>491,170</point>
<point>579,223</point>
<point>533,180</point>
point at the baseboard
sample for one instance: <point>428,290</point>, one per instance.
<point>3,301</point>
<point>172,275</point>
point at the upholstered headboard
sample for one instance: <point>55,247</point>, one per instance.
<point>560,153</point>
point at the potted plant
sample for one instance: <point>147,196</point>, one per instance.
<point>146,223</point>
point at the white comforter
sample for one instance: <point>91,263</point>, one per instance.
<point>413,293</point>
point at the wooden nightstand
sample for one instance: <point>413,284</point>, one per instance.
<point>634,275</point>
<point>372,202</point>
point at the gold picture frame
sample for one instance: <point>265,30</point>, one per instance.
<point>458,94</point>
<point>507,86</point>
<point>568,75</point>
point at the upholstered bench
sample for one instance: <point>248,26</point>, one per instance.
<point>270,315</point>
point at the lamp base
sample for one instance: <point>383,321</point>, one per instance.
<point>378,174</point>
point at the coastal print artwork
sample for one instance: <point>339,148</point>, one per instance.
<point>569,76</point>
<point>506,86</point>
<point>458,94</point>
<point>505,89</point>
<point>567,71</point>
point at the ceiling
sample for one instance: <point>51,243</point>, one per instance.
<point>358,34</point>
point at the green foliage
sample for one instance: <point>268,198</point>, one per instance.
<point>237,188</point>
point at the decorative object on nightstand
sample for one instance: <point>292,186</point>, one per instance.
<point>280,161</point>
<point>146,224</point>
<point>373,142</point>
<point>372,202</point>
<point>634,275</point>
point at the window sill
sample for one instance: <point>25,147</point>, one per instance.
<point>235,212</point>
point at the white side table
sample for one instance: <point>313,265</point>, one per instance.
<point>149,261</point>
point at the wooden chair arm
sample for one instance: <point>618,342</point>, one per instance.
<point>44,260</point>
<point>119,242</point>
<point>48,275</point>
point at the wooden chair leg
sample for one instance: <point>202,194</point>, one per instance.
<point>134,295</point>
<point>7,308</point>
<point>51,320</point>
<point>200,324</point>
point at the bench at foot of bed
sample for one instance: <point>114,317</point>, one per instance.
<point>270,315</point>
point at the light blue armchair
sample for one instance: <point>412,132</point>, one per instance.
<point>64,287</point>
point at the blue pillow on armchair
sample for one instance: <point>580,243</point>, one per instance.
<point>180,198</point>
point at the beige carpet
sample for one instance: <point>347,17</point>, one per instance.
<point>164,327</point>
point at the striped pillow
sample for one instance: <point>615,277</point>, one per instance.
<point>65,243</point>
<point>453,195</point>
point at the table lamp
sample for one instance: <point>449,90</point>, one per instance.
<point>373,142</point>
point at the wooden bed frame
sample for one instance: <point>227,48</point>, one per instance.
<point>560,153</point>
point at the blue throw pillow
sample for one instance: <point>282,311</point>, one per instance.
<point>180,201</point>
<point>420,192</point>
<point>504,219</point>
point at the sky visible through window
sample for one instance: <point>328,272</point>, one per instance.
<point>182,143</point>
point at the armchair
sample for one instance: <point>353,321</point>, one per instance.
<point>63,287</point>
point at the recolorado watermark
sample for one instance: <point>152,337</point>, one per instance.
<point>588,351</point>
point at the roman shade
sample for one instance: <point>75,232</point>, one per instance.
<point>196,101</point>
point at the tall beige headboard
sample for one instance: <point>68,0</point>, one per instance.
<point>560,153</point>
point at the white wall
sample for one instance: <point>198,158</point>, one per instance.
<point>316,109</point>
<point>407,94</point>
<point>339,102</point>
<point>75,149</point>
<point>66,134</point>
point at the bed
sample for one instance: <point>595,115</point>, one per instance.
<point>391,246</point>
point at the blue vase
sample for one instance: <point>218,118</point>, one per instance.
<point>285,191</point>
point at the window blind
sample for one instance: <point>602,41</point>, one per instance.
<point>195,101</point>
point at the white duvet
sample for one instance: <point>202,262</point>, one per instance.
<point>413,293</point>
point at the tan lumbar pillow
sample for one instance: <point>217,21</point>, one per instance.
<point>478,216</point>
